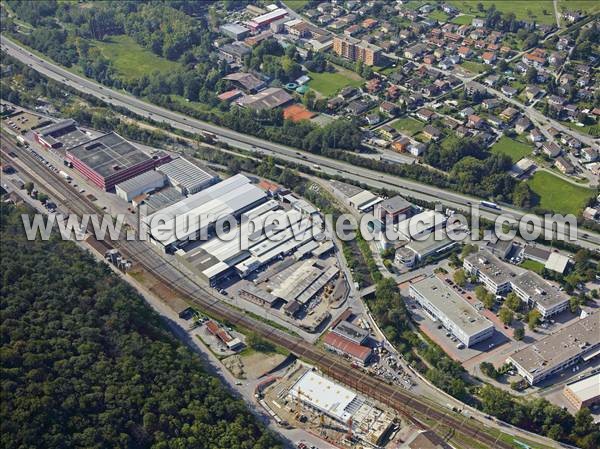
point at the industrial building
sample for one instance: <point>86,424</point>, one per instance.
<point>189,218</point>
<point>459,317</point>
<point>391,209</point>
<point>431,246</point>
<point>109,160</point>
<point>265,19</point>
<point>356,50</point>
<point>63,134</point>
<point>357,353</point>
<point>584,392</point>
<point>187,177</point>
<point>568,346</point>
<point>234,30</point>
<point>420,225</point>
<point>490,271</point>
<point>351,332</point>
<point>144,183</point>
<point>538,293</point>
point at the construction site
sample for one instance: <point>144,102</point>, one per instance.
<point>305,398</point>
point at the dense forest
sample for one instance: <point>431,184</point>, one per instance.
<point>85,363</point>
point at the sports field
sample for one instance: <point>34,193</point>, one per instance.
<point>516,150</point>
<point>329,83</point>
<point>130,59</point>
<point>559,195</point>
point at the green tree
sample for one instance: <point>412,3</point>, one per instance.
<point>460,278</point>
<point>519,333</point>
<point>513,302</point>
<point>533,319</point>
<point>506,315</point>
<point>29,187</point>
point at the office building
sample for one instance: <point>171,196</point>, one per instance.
<point>490,271</point>
<point>565,348</point>
<point>356,50</point>
<point>540,294</point>
<point>109,160</point>
<point>459,317</point>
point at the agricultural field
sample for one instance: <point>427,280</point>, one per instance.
<point>516,150</point>
<point>541,11</point>
<point>588,6</point>
<point>296,5</point>
<point>329,83</point>
<point>408,126</point>
<point>438,15</point>
<point>130,59</point>
<point>465,19</point>
<point>559,195</point>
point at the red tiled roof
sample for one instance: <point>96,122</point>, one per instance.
<point>343,344</point>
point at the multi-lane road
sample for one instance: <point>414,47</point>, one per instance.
<point>329,166</point>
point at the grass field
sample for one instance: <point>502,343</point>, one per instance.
<point>532,265</point>
<point>438,15</point>
<point>523,10</point>
<point>328,83</point>
<point>408,126</point>
<point>296,5</point>
<point>130,59</point>
<point>463,20</point>
<point>559,195</point>
<point>588,6</point>
<point>474,67</point>
<point>516,150</point>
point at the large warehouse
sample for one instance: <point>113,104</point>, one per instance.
<point>187,177</point>
<point>189,218</point>
<point>109,160</point>
<point>144,183</point>
<point>63,134</point>
<point>584,392</point>
<point>565,348</point>
<point>458,316</point>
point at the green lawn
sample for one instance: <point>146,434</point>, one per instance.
<point>408,126</point>
<point>523,10</point>
<point>329,83</point>
<point>474,67</point>
<point>438,15</point>
<point>588,6</point>
<point>516,150</point>
<point>463,20</point>
<point>559,195</point>
<point>296,5</point>
<point>130,59</point>
<point>532,265</point>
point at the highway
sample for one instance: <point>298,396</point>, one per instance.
<point>331,167</point>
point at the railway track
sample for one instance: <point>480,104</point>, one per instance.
<point>334,366</point>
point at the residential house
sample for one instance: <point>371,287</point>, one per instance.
<point>474,121</point>
<point>425,114</point>
<point>531,92</point>
<point>416,149</point>
<point>564,165</point>
<point>388,108</point>
<point>388,132</point>
<point>551,149</point>
<point>589,154</point>
<point>509,91</point>
<point>509,114</point>
<point>489,104</point>
<point>432,133</point>
<point>535,135</point>
<point>357,107</point>
<point>522,125</point>
<point>372,119</point>
<point>401,145</point>
<point>489,58</point>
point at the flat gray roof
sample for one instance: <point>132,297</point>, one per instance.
<point>140,181</point>
<point>586,389</point>
<point>395,204</point>
<point>555,349</point>
<point>539,290</point>
<point>451,304</point>
<point>430,245</point>
<point>163,198</point>
<point>348,190</point>
<point>351,332</point>
<point>491,266</point>
<point>108,154</point>
<point>184,173</point>
<point>65,132</point>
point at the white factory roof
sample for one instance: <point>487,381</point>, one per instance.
<point>363,198</point>
<point>557,262</point>
<point>201,209</point>
<point>325,395</point>
<point>140,181</point>
<point>182,172</point>
<point>419,223</point>
<point>587,388</point>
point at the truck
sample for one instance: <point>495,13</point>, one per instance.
<point>21,139</point>
<point>490,205</point>
<point>65,175</point>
